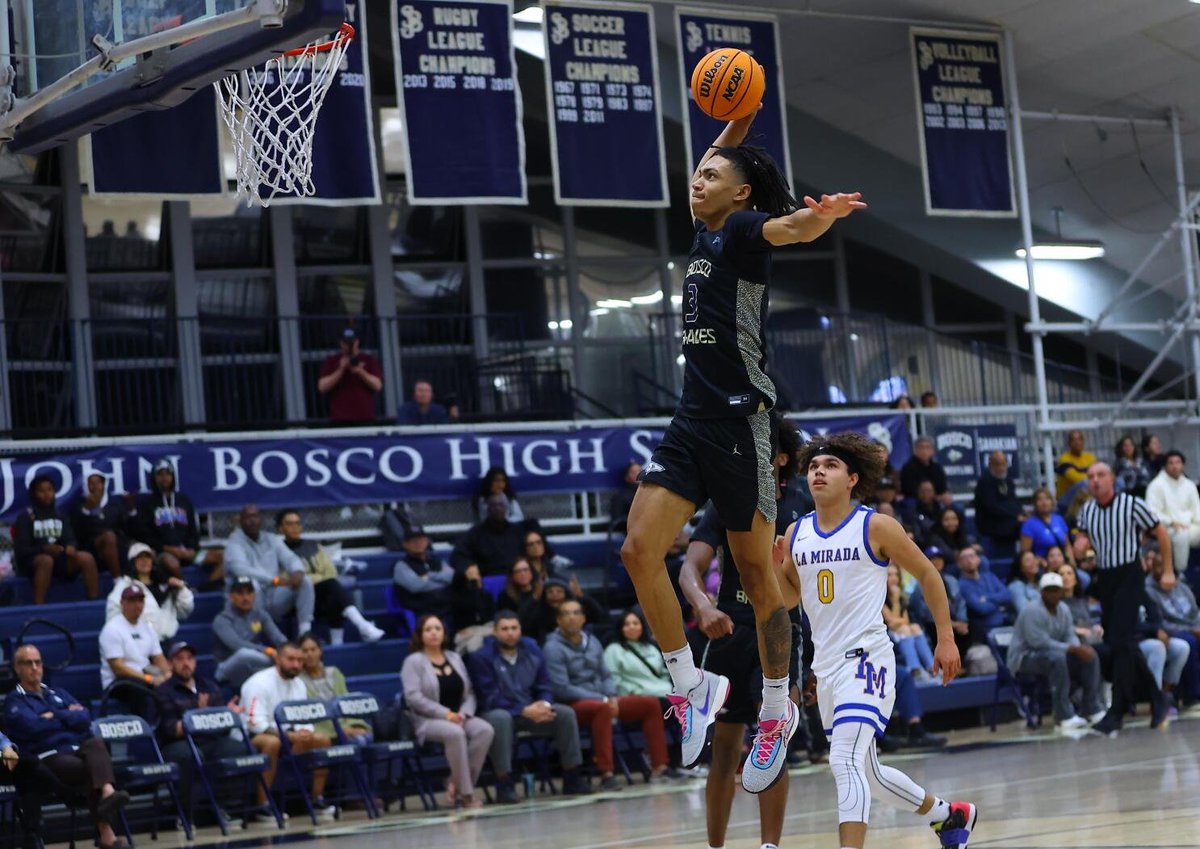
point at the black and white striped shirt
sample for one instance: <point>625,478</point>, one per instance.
<point>1115,530</point>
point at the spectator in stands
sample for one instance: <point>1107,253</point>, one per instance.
<point>327,683</point>
<point>44,545</point>
<point>545,563</point>
<point>622,500</point>
<point>908,709</point>
<point>186,690</point>
<point>1165,655</point>
<point>129,649</point>
<point>332,602</point>
<point>52,724</point>
<point>351,379</point>
<point>166,603</point>
<point>495,482</point>
<point>929,399</point>
<point>245,638</point>
<point>279,576</point>
<point>1044,642</point>
<point>1181,618</point>
<point>1085,562</point>
<point>1045,528</point>
<point>1087,624</point>
<point>922,513</point>
<point>261,694</point>
<point>999,514</point>
<point>510,675</point>
<point>902,402</point>
<point>422,578</point>
<point>97,521</point>
<point>422,409</point>
<point>1023,585</point>
<point>1176,501</point>
<point>1131,475</point>
<point>493,543</point>
<point>1070,469</point>
<point>919,611</point>
<point>635,662</point>
<point>912,649</point>
<point>1152,456</point>
<point>989,604</point>
<point>885,493</point>
<point>579,677</point>
<point>166,521</point>
<point>440,698</point>
<point>472,609</point>
<point>521,588</point>
<point>539,620</point>
<point>922,467</point>
<point>949,534</point>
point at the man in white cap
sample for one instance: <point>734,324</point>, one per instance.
<point>1044,643</point>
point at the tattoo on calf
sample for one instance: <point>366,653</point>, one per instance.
<point>777,638</point>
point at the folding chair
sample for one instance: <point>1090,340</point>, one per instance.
<point>1028,690</point>
<point>387,753</point>
<point>303,764</point>
<point>142,765</point>
<point>214,721</point>
<point>394,607</point>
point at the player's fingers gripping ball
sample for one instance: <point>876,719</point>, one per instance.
<point>727,84</point>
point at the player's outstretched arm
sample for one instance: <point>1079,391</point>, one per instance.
<point>711,621</point>
<point>805,225</point>
<point>890,542</point>
<point>785,570</point>
<point>735,133</point>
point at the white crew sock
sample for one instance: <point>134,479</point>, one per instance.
<point>684,674</point>
<point>303,627</point>
<point>769,846</point>
<point>337,636</point>
<point>939,811</point>
<point>774,697</point>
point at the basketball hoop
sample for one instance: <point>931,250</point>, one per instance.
<point>271,113</point>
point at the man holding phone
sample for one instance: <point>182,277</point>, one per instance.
<point>350,378</point>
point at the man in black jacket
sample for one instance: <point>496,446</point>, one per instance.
<point>97,521</point>
<point>494,543</point>
<point>922,467</point>
<point>998,511</point>
<point>44,544</point>
<point>166,521</point>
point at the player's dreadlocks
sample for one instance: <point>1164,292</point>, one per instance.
<point>769,190</point>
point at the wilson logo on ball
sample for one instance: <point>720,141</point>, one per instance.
<point>727,84</point>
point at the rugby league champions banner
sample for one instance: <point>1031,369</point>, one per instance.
<point>459,102</point>
<point>702,31</point>
<point>963,119</point>
<point>606,135</point>
<point>276,473</point>
<point>963,451</point>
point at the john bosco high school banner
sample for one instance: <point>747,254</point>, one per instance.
<point>223,475</point>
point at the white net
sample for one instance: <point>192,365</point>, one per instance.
<point>271,113</point>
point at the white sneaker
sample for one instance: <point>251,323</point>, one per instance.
<point>696,712</point>
<point>768,752</point>
<point>371,633</point>
<point>1093,718</point>
<point>1073,724</point>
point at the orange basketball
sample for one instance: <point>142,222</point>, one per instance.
<point>728,84</point>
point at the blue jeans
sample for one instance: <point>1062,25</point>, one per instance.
<point>914,652</point>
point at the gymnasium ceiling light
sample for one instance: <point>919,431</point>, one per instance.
<point>646,300</point>
<point>1066,249</point>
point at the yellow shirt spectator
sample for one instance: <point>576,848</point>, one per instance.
<point>1072,465</point>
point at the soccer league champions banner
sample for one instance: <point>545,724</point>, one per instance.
<point>963,119</point>
<point>704,30</point>
<point>605,120</point>
<point>459,101</point>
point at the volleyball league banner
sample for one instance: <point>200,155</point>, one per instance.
<point>459,102</point>
<point>962,114</point>
<point>606,138</point>
<point>700,32</point>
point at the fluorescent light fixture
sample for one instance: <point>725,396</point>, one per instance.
<point>532,15</point>
<point>646,300</point>
<point>566,324</point>
<point>677,300</point>
<point>614,304</point>
<point>671,263</point>
<point>1067,250</point>
<point>553,325</point>
<point>546,255</point>
<point>599,311</point>
<point>680,360</point>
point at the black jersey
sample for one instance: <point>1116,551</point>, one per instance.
<point>724,320</point>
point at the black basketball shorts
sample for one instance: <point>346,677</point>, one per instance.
<point>736,657</point>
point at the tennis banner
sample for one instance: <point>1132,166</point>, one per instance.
<point>963,119</point>
<point>459,103</point>
<point>606,137</point>
<point>701,31</point>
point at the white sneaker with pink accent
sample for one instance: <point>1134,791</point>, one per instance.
<point>768,754</point>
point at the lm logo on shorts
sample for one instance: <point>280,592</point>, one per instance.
<point>876,682</point>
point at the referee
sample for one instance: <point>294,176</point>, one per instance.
<point>1114,522</point>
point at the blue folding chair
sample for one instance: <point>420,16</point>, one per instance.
<point>303,764</point>
<point>393,606</point>
<point>219,721</point>
<point>142,765</point>
<point>1028,690</point>
<point>387,753</point>
<point>494,584</point>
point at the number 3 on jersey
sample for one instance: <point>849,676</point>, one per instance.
<point>825,586</point>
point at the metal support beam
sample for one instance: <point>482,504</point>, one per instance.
<point>1162,354</point>
<point>287,310</point>
<point>1014,353</point>
<point>1087,328</point>
<point>1187,244</point>
<point>578,304</point>
<point>841,282</point>
<point>78,303</point>
<point>672,375</point>
<point>929,321</point>
<point>383,287</point>
<point>178,218</point>
<point>477,290</point>
<point>1032,115</point>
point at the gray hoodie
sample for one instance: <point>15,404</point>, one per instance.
<point>233,630</point>
<point>1036,630</point>
<point>262,560</point>
<point>577,671</point>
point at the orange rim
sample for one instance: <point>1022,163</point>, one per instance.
<point>345,33</point>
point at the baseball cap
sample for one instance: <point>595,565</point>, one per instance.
<point>133,591</point>
<point>933,551</point>
<point>349,334</point>
<point>138,549</point>
<point>242,583</point>
<point>414,531</point>
<point>164,463</point>
<point>178,646</point>
<point>1050,579</point>
<point>885,483</point>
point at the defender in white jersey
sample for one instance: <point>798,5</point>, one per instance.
<point>834,561</point>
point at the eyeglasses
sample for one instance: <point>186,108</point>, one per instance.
<point>37,662</point>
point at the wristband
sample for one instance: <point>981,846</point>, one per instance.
<point>149,678</point>
<point>270,650</point>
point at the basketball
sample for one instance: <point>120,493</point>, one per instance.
<point>727,84</point>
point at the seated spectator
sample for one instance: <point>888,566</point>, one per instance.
<point>1165,655</point>
<point>495,482</point>
<point>886,496</point>
<point>441,700</point>
<point>635,662</point>
<point>1070,512</point>
<point>245,638</point>
<point>579,677</point>
<point>422,409</point>
<point>521,588</point>
<point>922,467</point>
<point>1085,564</point>
<point>510,675</point>
<point>186,690</point>
<point>1023,587</point>
<point>902,402</point>
<point>912,649</point>
<point>44,545</point>
<point>472,609</point>
<point>1176,502</point>
<point>262,692</point>
<point>922,513</point>
<point>999,514</point>
<point>280,579</point>
<point>1131,475</point>
<point>919,611</point>
<point>350,378</point>
<point>989,604</point>
<point>52,724</point>
<point>545,563</point>
<point>327,683</point>
<point>165,603</point>
<point>621,501</point>
<point>97,521</point>
<point>929,398</point>
<point>129,649</point>
<point>422,578</point>
<point>1152,456</point>
<point>908,709</point>
<point>332,602</point>
<point>165,520</point>
<point>1070,469</point>
<point>1181,619</point>
<point>1087,622</point>
<point>1045,527</point>
<point>493,543</point>
<point>949,534</point>
<point>539,620</point>
<point>1044,643</point>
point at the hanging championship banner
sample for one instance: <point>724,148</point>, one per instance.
<point>606,136</point>
<point>963,120</point>
<point>702,31</point>
<point>459,102</point>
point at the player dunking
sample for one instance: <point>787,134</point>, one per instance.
<point>835,561</point>
<point>718,444</point>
